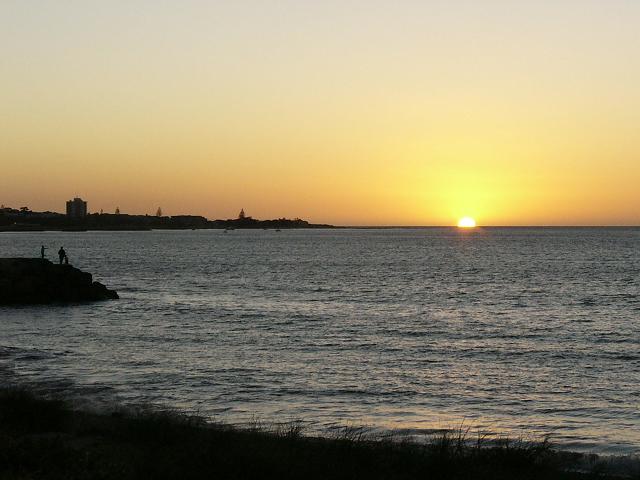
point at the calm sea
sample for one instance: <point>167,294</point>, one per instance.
<point>514,331</point>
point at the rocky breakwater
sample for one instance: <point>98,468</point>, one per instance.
<point>34,280</point>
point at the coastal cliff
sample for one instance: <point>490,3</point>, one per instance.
<point>35,280</point>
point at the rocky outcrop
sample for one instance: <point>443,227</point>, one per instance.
<point>34,280</point>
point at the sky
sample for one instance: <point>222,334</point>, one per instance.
<point>347,112</point>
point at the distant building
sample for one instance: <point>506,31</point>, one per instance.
<point>76,208</point>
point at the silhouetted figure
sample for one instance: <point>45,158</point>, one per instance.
<point>42,249</point>
<point>61,254</point>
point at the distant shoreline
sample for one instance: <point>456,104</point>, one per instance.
<point>132,229</point>
<point>135,230</point>
<point>12,220</point>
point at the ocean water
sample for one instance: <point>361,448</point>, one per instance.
<point>515,331</point>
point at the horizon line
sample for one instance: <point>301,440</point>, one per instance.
<point>382,226</point>
<point>490,226</point>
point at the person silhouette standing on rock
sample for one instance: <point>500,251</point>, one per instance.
<point>61,254</point>
<point>42,249</point>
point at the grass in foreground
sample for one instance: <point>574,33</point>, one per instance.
<point>48,439</point>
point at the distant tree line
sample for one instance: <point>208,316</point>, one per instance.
<point>24,219</point>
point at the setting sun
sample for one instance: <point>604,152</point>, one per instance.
<point>466,222</point>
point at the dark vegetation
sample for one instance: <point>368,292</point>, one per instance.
<point>47,438</point>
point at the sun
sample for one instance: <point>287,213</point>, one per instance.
<point>466,222</point>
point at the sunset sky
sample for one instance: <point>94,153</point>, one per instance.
<point>349,112</point>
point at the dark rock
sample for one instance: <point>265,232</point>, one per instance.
<point>35,280</point>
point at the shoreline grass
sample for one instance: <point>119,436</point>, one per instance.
<point>47,438</point>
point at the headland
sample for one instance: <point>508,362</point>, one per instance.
<point>36,280</point>
<point>25,220</point>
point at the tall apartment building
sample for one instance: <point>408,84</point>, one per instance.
<point>76,208</point>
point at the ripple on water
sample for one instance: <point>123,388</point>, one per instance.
<point>512,330</point>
